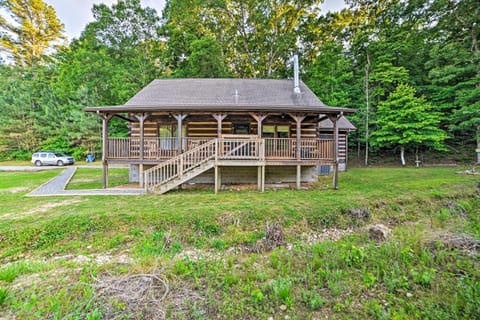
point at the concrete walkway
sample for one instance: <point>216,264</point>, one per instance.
<point>56,187</point>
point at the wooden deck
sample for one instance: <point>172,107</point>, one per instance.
<point>275,151</point>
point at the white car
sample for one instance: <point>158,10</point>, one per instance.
<point>54,158</point>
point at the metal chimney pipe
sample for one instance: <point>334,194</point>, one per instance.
<point>296,74</point>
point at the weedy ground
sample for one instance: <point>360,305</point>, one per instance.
<point>282,254</point>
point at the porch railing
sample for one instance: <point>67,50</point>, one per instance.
<point>228,149</point>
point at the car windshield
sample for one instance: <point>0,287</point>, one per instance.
<point>58,154</point>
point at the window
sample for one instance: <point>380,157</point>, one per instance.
<point>275,131</point>
<point>170,130</point>
<point>241,128</point>
<point>168,135</point>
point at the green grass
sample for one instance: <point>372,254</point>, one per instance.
<point>91,178</point>
<point>203,245</point>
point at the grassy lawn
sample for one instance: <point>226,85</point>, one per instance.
<point>196,255</point>
<point>92,178</point>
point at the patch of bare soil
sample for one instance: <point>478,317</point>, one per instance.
<point>15,190</point>
<point>98,259</point>
<point>332,234</point>
<point>48,206</point>
<point>142,295</point>
<point>40,209</point>
<point>461,242</point>
<point>127,186</point>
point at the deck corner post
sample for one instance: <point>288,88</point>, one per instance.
<point>218,178</point>
<point>334,120</point>
<point>299,177</point>
<point>105,119</point>
<point>105,174</point>
<point>263,179</point>
<point>141,175</point>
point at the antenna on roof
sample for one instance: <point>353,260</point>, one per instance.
<point>236,96</point>
<point>296,74</point>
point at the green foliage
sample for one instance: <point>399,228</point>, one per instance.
<point>256,37</point>
<point>205,60</point>
<point>405,120</point>
<point>330,76</point>
<point>3,296</point>
<point>12,271</point>
<point>32,33</point>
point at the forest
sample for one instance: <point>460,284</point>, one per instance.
<point>410,67</point>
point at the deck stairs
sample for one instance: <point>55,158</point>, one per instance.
<point>180,169</point>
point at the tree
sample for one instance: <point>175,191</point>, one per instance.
<point>116,56</point>
<point>205,60</point>
<point>407,121</point>
<point>330,76</point>
<point>32,30</point>
<point>454,74</point>
<point>257,37</point>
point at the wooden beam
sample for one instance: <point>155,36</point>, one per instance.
<point>259,117</point>
<point>179,117</point>
<point>299,177</point>
<point>298,120</point>
<point>123,118</point>
<point>219,117</point>
<point>334,119</point>
<point>105,118</point>
<point>141,119</point>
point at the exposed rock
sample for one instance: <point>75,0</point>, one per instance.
<point>359,213</point>
<point>455,208</point>
<point>274,238</point>
<point>379,232</point>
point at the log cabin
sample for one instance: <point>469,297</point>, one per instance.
<point>225,131</point>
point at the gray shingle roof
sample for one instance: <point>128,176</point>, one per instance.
<point>343,124</point>
<point>223,95</point>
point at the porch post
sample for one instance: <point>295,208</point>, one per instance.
<point>219,117</point>
<point>105,118</point>
<point>218,178</point>
<point>259,117</point>
<point>334,120</point>
<point>298,155</point>
<point>141,120</point>
<point>179,117</point>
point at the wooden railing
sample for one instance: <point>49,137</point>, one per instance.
<point>153,148</point>
<point>228,149</point>
<point>241,149</point>
<point>180,165</point>
<point>310,149</point>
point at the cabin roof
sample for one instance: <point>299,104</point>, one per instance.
<point>223,95</point>
<point>343,124</point>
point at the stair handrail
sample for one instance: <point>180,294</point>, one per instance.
<point>180,164</point>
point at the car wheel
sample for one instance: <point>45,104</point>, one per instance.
<point>60,163</point>
<point>38,163</point>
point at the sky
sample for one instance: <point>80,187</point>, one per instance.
<point>75,14</point>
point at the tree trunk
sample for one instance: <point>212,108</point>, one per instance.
<point>367,100</point>
<point>478,145</point>
<point>417,161</point>
<point>402,155</point>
